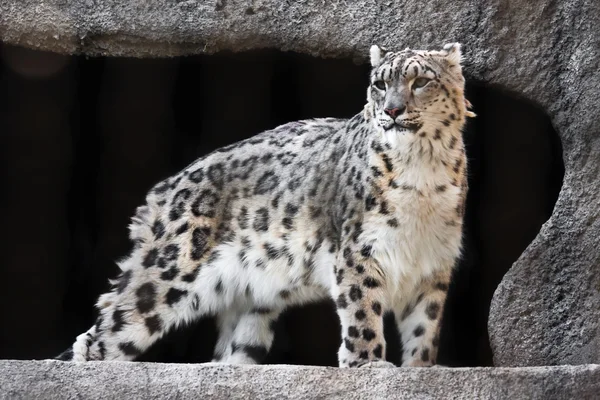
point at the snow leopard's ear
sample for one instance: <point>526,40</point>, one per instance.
<point>453,53</point>
<point>377,53</point>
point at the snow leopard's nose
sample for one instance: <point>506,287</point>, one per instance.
<point>394,112</point>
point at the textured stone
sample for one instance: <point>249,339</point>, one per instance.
<point>125,380</point>
<point>547,309</point>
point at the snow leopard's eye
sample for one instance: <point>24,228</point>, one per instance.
<point>379,85</point>
<point>420,82</point>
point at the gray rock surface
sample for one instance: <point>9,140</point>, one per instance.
<point>547,309</point>
<point>126,380</point>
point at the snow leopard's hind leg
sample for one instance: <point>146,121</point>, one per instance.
<point>146,300</point>
<point>132,320</point>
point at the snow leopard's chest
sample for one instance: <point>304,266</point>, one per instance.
<point>415,227</point>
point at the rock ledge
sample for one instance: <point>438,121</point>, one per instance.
<point>129,380</point>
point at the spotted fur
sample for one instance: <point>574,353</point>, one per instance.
<point>366,211</point>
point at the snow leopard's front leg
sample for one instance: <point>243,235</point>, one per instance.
<point>359,294</point>
<point>419,320</point>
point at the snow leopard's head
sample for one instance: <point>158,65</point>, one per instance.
<point>417,91</point>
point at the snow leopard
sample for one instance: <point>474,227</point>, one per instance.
<point>366,211</point>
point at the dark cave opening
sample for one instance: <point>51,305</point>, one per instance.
<point>83,139</point>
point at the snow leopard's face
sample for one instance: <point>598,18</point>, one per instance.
<point>416,91</point>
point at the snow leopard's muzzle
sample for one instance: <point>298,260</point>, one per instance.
<point>398,119</point>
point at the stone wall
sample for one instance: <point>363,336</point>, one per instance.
<point>546,311</point>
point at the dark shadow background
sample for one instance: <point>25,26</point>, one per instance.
<point>83,139</point>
